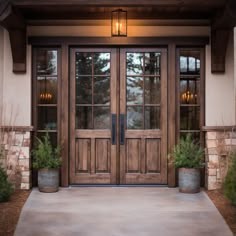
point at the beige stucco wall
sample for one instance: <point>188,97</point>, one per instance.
<point>16,89</point>
<point>1,64</point>
<point>220,91</point>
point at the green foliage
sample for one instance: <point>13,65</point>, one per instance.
<point>45,156</point>
<point>187,154</point>
<point>230,181</point>
<point>6,187</point>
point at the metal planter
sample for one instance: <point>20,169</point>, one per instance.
<point>189,180</point>
<point>48,180</point>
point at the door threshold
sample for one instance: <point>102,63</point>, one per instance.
<point>118,185</point>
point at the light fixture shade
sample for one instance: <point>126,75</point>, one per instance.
<point>119,23</point>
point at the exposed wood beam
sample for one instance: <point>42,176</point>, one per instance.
<point>222,25</point>
<point>12,20</point>
<point>204,3</point>
<point>219,42</point>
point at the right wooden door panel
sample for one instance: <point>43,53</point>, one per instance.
<point>143,105</point>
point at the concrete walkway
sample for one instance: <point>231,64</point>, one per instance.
<point>123,211</point>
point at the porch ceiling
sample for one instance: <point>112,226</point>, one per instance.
<point>15,15</point>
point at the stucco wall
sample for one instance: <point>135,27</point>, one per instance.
<point>220,92</point>
<point>16,89</point>
<point>1,64</point>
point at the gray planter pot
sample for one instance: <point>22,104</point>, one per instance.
<point>189,180</point>
<point>48,180</point>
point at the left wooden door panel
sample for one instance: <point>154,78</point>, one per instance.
<point>93,101</point>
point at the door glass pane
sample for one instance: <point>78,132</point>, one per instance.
<point>83,90</point>
<point>134,90</point>
<point>83,62</point>
<point>101,63</point>
<point>189,91</point>
<point>47,90</point>
<point>52,136</point>
<point>194,135</point>
<point>189,118</point>
<point>152,117</point>
<point>46,62</point>
<point>152,90</point>
<point>102,90</point>
<point>47,118</point>
<point>134,117</point>
<point>102,117</point>
<point>152,63</point>
<point>134,63</point>
<point>189,62</point>
<point>83,117</point>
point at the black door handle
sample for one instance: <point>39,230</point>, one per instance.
<point>113,129</point>
<point>122,129</point>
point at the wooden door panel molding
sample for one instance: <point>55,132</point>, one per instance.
<point>83,155</point>
<point>103,155</point>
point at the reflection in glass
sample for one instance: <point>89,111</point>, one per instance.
<point>102,117</point>
<point>134,63</point>
<point>152,90</point>
<point>183,64</point>
<point>189,91</point>
<point>134,90</point>
<point>46,62</point>
<point>152,63</point>
<point>47,90</point>
<point>152,117</point>
<point>195,135</point>
<point>190,62</point>
<point>83,117</point>
<point>101,63</point>
<point>47,118</point>
<point>83,90</point>
<point>189,118</point>
<point>83,62</point>
<point>52,135</point>
<point>134,117</point>
<point>102,90</point>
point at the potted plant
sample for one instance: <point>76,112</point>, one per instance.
<point>188,156</point>
<point>47,160</point>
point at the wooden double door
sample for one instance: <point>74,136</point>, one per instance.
<point>118,116</point>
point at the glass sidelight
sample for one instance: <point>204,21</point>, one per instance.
<point>191,93</point>
<point>46,92</point>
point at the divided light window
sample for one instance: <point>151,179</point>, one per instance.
<point>190,92</point>
<point>46,92</point>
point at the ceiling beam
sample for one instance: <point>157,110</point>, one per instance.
<point>222,25</point>
<point>203,3</point>
<point>12,20</point>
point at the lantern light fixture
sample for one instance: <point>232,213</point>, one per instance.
<point>119,23</point>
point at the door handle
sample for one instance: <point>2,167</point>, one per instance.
<point>122,129</point>
<point>113,129</point>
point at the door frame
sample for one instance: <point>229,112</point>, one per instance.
<point>65,43</point>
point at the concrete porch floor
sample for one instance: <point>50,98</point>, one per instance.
<point>120,211</point>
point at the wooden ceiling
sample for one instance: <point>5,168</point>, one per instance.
<point>15,15</point>
<point>101,9</point>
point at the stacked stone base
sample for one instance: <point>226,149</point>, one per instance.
<point>219,145</point>
<point>16,143</point>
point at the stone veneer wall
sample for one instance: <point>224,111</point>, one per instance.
<point>219,145</point>
<point>17,146</point>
